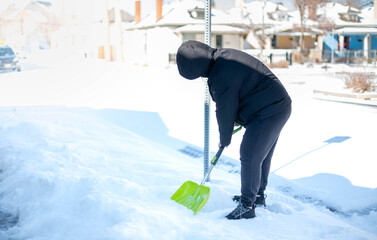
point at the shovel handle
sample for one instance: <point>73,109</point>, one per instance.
<point>217,156</point>
<point>237,130</point>
<point>213,163</point>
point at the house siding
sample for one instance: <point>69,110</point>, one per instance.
<point>284,42</point>
<point>374,42</point>
<point>232,41</point>
<point>356,42</point>
<point>150,46</point>
<point>309,42</point>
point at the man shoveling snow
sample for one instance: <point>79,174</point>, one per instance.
<point>246,93</point>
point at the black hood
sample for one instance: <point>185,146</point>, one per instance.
<point>194,59</point>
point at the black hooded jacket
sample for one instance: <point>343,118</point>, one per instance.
<point>242,86</point>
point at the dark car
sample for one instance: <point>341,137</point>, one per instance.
<point>9,60</point>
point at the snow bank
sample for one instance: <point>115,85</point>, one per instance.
<point>77,173</point>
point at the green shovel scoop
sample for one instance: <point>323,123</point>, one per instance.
<point>195,196</point>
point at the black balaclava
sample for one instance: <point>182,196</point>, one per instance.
<point>194,59</point>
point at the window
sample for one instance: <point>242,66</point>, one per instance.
<point>219,41</point>
<point>188,36</point>
<point>197,13</point>
<point>274,41</point>
<point>6,51</point>
<point>347,42</point>
<point>172,57</point>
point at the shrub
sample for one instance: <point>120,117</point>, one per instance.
<point>360,82</point>
<point>280,64</point>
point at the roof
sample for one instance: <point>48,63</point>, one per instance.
<point>356,30</point>
<point>214,29</point>
<point>177,13</point>
<point>255,13</point>
<point>38,10</point>
<point>333,10</point>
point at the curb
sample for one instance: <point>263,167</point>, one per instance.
<point>355,98</point>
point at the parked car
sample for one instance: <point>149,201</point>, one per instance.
<point>8,59</point>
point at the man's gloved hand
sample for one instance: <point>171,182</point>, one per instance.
<point>235,125</point>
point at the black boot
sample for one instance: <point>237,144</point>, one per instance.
<point>241,211</point>
<point>259,201</point>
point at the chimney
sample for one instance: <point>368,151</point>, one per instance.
<point>137,11</point>
<point>158,9</point>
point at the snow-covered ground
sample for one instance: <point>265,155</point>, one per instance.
<point>94,150</point>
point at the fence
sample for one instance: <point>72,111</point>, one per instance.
<point>313,55</point>
<point>272,55</point>
<point>350,56</point>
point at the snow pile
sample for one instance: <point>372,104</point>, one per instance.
<point>74,173</point>
<point>97,151</point>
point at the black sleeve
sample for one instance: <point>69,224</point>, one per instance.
<point>225,95</point>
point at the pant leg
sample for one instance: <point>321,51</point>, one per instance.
<point>256,152</point>
<point>266,168</point>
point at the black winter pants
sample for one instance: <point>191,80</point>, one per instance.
<point>256,151</point>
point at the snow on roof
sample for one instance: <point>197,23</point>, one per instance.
<point>367,16</point>
<point>257,11</point>
<point>39,17</point>
<point>214,28</point>
<point>357,30</point>
<point>13,9</point>
<point>332,12</point>
<point>287,31</point>
<point>295,19</point>
<point>277,29</point>
<point>367,13</point>
<point>17,7</point>
<point>178,13</point>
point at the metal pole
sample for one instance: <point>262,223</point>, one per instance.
<point>207,101</point>
<point>332,46</point>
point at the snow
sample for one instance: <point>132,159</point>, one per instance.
<point>349,30</point>
<point>93,150</point>
<point>177,13</point>
<point>214,28</point>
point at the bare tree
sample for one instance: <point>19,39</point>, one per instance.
<point>302,6</point>
<point>262,38</point>
<point>358,3</point>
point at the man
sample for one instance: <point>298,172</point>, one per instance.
<point>246,92</point>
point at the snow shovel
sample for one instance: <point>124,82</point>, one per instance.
<point>195,196</point>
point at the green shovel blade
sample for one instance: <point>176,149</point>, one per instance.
<point>192,195</point>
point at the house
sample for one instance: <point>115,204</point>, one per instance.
<point>274,26</point>
<point>27,25</point>
<point>351,30</point>
<point>155,39</point>
<point>261,17</point>
<point>110,42</point>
